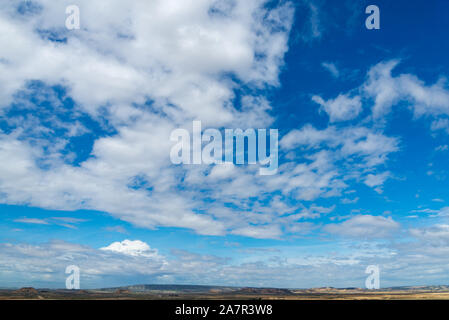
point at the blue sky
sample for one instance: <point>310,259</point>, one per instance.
<point>86,116</point>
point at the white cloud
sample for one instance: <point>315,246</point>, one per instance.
<point>364,226</point>
<point>313,27</point>
<point>67,222</point>
<point>440,124</point>
<point>369,147</point>
<point>370,144</point>
<point>375,180</point>
<point>134,248</point>
<point>45,263</point>
<point>443,212</point>
<point>174,56</point>
<point>388,90</point>
<point>307,136</point>
<point>158,49</point>
<point>267,232</point>
<point>437,234</point>
<point>350,201</point>
<point>341,108</point>
<point>409,263</point>
<point>31,221</point>
<point>332,68</point>
<point>69,219</point>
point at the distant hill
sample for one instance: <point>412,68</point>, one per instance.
<point>170,287</point>
<point>159,291</point>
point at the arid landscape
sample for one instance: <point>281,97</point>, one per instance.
<point>176,292</point>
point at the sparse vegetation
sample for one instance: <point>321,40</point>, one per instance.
<point>190,292</point>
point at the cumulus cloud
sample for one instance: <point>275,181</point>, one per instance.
<point>341,108</point>
<point>134,72</point>
<point>370,144</point>
<point>388,90</point>
<point>373,180</point>
<point>132,248</point>
<point>115,52</point>
<point>342,145</point>
<point>137,72</point>
<point>366,141</point>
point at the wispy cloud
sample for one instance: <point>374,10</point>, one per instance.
<point>66,222</point>
<point>31,221</point>
<point>118,229</point>
<point>364,226</point>
<point>332,68</point>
